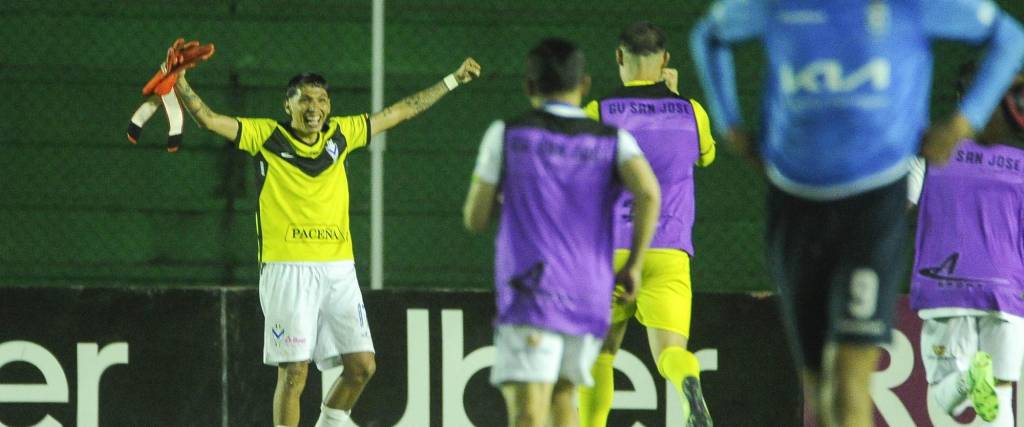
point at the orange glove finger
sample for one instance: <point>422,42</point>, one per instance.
<point>190,45</point>
<point>173,55</point>
<point>153,82</point>
<point>165,85</point>
<point>192,57</point>
<point>201,52</point>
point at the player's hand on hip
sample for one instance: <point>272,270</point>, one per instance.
<point>468,71</point>
<point>671,78</point>
<point>629,277</point>
<point>740,143</point>
<point>941,138</point>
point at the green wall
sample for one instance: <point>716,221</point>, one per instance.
<point>80,205</point>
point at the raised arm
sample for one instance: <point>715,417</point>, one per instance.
<point>411,106</point>
<point>219,124</point>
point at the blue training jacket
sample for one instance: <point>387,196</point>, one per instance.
<point>846,92</point>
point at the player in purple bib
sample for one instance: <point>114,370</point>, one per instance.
<point>675,134</point>
<point>968,278</point>
<point>559,174</point>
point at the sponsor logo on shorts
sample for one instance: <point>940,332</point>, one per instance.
<point>290,340</point>
<point>280,338</point>
<point>533,340</point>
<point>316,234</point>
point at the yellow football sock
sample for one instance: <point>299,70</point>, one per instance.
<point>596,402</point>
<point>675,364</point>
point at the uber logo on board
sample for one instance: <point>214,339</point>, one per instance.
<point>92,361</point>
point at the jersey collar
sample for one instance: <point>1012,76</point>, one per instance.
<point>564,110</point>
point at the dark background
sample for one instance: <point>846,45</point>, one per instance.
<point>80,205</point>
<point>177,338</point>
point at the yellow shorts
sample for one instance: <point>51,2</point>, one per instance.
<point>665,296</point>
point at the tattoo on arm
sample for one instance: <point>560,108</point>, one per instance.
<point>413,105</point>
<point>192,101</point>
<point>424,99</point>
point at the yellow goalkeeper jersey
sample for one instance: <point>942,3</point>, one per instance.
<point>302,211</point>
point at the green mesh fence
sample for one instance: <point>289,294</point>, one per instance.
<point>80,205</point>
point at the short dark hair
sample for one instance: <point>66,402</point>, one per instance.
<point>642,38</point>
<point>555,65</point>
<point>311,79</point>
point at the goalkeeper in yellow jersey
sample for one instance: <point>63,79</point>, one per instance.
<point>311,301</point>
<point>675,135</point>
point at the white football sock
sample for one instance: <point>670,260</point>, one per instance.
<point>950,392</point>
<point>330,417</point>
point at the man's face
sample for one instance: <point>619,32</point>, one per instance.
<point>309,108</point>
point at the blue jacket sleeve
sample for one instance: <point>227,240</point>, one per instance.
<point>980,22</point>
<point>730,21</point>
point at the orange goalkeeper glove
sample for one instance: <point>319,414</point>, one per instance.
<point>160,89</point>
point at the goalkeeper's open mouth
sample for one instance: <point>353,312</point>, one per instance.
<point>312,121</point>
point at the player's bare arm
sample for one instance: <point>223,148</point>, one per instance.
<point>219,124</point>
<point>476,213</point>
<point>411,106</point>
<point>940,139</point>
<point>638,177</point>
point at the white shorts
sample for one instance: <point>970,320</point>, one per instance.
<point>948,344</point>
<point>312,311</point>
<point>525,354</point>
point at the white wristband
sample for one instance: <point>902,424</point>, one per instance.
<point>451,82</point>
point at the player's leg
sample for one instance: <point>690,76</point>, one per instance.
<point>288,297</point>
<point>680,367</point>
<point>527,404</point>
<point>526,366</point>
<point>577,359</point>
<point>563,404</point>
<point>344,338</point>
<point>664,307</point>
<point>595,402</point>
<point>1002,340</point>
<point>291,380</point>
<point>345,391</point>
<point>869,236</point>
<point>799,266</point>
<point>845,386</point>
<point>810,381</point>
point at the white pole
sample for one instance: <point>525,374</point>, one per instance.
<point>377,147</point>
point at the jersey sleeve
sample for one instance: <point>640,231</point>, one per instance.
<point>979,22</point>
<point>705,136</point>
<point>356,130</point>
<point>593,110</point>
<point>252,133</point>
<point>915,180</point>
<point>488,160</point>
<point>728,22</point>
<point>627,148</point>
